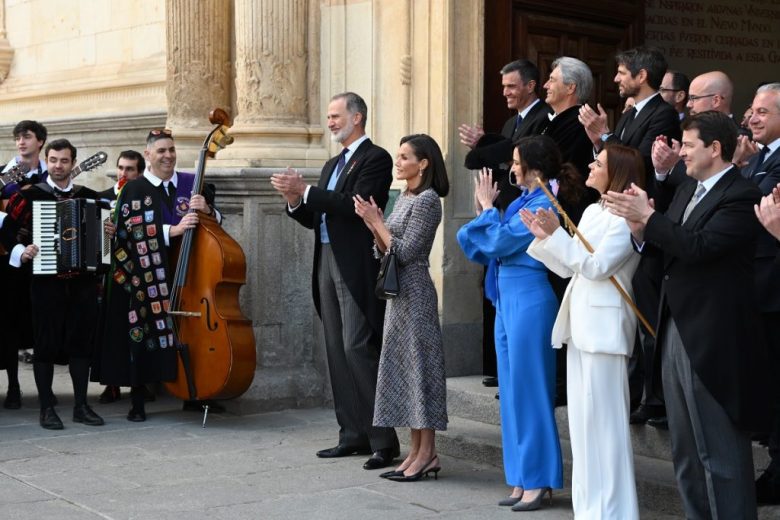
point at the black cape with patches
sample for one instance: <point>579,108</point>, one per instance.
<point>137,344</point>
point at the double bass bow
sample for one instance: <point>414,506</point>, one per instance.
<point>215,340</point>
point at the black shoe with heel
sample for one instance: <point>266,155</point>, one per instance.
<point>50,420</point>
<point>427,469</point>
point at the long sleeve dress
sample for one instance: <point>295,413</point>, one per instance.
<point>411,388</point>
<point>598,327</point>
<point>525,310</point>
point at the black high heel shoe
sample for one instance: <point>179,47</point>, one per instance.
<point>394,473</point>
<point>420,474</point>
<point>536,503</point>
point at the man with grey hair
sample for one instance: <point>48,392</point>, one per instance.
<point>344,274</point>
<point>568,87</point>
<point>764,169</point>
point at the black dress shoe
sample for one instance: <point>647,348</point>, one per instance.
<point>645,413</point>
<point>197,406</point>
<point>13,398</point>
<point>490,381</point>
<point>86,415</point>
<point>342,450</point>
<point>50,420</point>
<point>658,422</point>
<point>135,415</point>
<point>768,488</point>
<point>110,394</point>
<point>382,458</point>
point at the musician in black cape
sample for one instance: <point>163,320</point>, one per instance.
<point>138,344</point>
<point>66,306</point>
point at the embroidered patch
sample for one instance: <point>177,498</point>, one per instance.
<point>135,220</point>
<point>160,324</point>
<point>170,339</point>
<point>150,345</point>
<point>138,232</point>
<point>156,307</point>
<point>125,210</point>
<point>151,230</point>
<point>140,296</point>
<point>148,277</point>
<point>144,261</point>
<point>166,305</point>
<point>148,200</point>
<point>132,316</point>
<point>156,258</point>
<point>127,287</point>
<point>153,244</point>
<point>141,248</point>
<point>142,312</point>
<point>121,233</point>
<point>169,322</point>
<point>160,272</point>
<point>120,254</point>
<point>163,289</point>
<point>163,342</point>
<point>152,291</point>
<point>148,216</point>
<point>119,276</point>
<point>136,281</point>
<point>136,334</point>
<point>129,266</point>
<point>182,206</point>
<point>136,205</point>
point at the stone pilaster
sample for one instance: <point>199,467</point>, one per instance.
<point>198,69</point>
<point>274,85</point>
<point>6,51</point>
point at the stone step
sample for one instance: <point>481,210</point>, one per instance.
<point>467,398</point>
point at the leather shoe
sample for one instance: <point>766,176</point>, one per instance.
<point>86,415</point>
<point>646,412</point>
<point>382,458</point>
<point>768,488</point>
<point>50,420</point>
<point>490,381</point>
<point>13,398</point>
<point>659,422</point>
<point>110,394</point>
<point>342,450</point>
<point>135,415</point>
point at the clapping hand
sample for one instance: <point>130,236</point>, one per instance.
<point>665,156</point>
<point>470,135</point>
<point>542,224</point>
<point>369,211</point>
<point>768,212</point>
<point>485,190</point>
<point>595,123</point>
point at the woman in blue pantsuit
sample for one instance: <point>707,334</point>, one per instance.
<point>525,312</point>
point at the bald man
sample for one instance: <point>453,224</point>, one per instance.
<point>710,91</point>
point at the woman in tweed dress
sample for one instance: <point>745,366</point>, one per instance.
<point>411,389</point>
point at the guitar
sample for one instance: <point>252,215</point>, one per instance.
<point>90,163</point>
<point>17,173</point>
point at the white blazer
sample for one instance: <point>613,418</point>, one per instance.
<point>593,316</point>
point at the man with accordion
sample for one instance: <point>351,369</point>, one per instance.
<point>65,302</point>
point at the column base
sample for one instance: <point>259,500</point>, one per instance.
<point>277,146</point>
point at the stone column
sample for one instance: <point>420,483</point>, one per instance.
<point>273,86</point>
<point>6,51</point>
<point>198,69</point>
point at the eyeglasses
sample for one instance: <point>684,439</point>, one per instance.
<point>160,131</point>
<point>664,89</point>
<point>696,98</point>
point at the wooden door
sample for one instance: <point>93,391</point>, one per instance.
<point>542,30</point>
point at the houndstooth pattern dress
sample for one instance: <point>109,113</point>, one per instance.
<point>411,389</point>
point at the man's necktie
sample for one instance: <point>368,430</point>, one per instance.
<point>339,167</point>
<point>761,158</point>
<point>629,121</point>
<point>518,122</point>
<point>167,194</point>
<point>694,200</point>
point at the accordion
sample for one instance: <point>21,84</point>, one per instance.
<point>70,236</point>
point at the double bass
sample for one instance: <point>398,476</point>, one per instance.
<point>215,340</point>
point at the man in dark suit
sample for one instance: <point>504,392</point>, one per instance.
<point>345,273</point>
<point>674,90</point>
<point>711,346</point>
<point>130,165</point>
<point>520,81</point>
<point>764,169</point>
<point>639,75</point>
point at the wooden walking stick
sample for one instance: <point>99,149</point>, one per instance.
<point>568,224</point>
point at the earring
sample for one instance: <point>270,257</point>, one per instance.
<point>422,170</point>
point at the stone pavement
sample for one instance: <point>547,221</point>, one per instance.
<point>258,466</point>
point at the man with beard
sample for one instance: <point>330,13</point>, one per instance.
<point>345,273</point>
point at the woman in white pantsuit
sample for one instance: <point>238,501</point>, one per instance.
<point>598,326</point>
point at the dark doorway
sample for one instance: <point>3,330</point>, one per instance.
<point>542,30</point>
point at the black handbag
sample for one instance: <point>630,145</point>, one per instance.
<point>387,285</point>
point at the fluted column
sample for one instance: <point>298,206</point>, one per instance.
<point>198,69</point>
<point>273,86</point>
<point>6,51</point>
